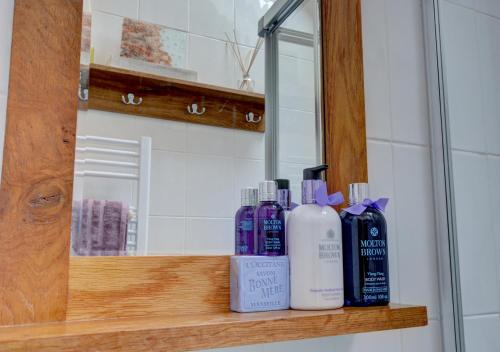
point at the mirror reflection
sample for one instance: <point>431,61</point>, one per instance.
<point>172,121</point>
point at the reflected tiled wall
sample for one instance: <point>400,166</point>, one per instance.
<point>472,56</point>
<point>203,22</point>
<point>197,170</point>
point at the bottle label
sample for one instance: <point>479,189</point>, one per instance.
<point>273,228</point>
<point>330,248</point>
<point>272,244</point>
<point>272,225</point>
<point>375,281</point>
<point>246,225</point>
<point>244,237</point>
<point>271,235</point>
<point>330,254</point>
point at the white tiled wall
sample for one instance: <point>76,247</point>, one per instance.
<point>399,166</point>
<point>197,172</point>
<point>472,53</point>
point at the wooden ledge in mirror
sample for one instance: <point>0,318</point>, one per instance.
<point>135,93</point>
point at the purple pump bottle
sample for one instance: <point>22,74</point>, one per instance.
<point>269,221</point>
<point>245,242</point>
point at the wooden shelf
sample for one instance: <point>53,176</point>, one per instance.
<point>191,332</point>
<point>180,303</point>
<point>168,98</point>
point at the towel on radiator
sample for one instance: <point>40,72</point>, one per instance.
<point>99,227</point>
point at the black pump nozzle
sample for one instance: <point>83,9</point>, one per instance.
<point>314,173</point>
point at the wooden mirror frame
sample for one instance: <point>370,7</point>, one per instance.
<point>39,282</point>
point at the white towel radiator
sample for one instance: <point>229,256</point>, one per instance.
<point>138,160</point>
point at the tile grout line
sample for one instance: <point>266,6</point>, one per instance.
<point>472,152</point>
<point>482,315</point>
<point>399,143</point>
<point>477,11</point>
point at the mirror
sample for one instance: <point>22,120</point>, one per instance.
<point>299,136</point>
<point>182,104</point>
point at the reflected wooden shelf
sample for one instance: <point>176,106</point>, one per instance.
<point>192,332</point>
<point>168,98</point>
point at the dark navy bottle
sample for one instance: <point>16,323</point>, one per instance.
<point>365,253</point>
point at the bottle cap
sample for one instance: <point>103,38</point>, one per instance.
<point>284,196</point>
<point>267,191</point>
<point>283,183</point>
<point>249,197</point>
<point>358,192</point>
<point>312,181</point>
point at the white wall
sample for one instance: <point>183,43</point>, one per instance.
<point>471,57</point>
<point>399,167</point>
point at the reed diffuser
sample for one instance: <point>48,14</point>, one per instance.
<point>246,83</point>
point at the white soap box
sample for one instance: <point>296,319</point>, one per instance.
<point>259,283</point>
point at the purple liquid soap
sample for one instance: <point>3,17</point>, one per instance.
<point>245,241</point>
<point>269,222</point>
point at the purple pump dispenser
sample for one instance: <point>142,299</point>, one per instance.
<point>244,226</point>
<point>270,221</point>
<point>312,181</point>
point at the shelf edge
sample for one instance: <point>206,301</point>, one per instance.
<point>190,332</point>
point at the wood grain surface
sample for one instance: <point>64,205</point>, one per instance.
<point>37,177</point>
<point>200,331</point>
<point>113,287</point>
<point>343,94</point>
<point>168,98</point>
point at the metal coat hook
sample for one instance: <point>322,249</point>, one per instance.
<point>130,100</point>
<point>193,109</point>
<point>83,93</point>
<point>252,118</point>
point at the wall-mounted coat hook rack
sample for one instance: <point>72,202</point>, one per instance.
<point>130,100</point>
<point>252,118</point>
<point>174,99</point>
<point>193,109</point>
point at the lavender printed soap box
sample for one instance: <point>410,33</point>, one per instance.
<point>259,283</point>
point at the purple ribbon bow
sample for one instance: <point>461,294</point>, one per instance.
<point>358,209</point>
<point>322,197</point>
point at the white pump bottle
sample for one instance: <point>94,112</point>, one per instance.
<point>315,250</point>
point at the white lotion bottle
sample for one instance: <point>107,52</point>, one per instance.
<point>315,250</point>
